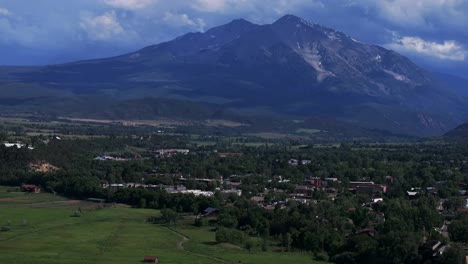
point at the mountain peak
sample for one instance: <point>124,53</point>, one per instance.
<point>241,21</point>
<point>292,19</point>
<point>236,25</point>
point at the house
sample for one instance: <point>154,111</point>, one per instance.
<point>167,153</point>
<point>369,188</point>
<point>231,192</point>
<point>17,145</point>
<point>210,211</point>
<point>370,232</point>
<point>96,200</point>
<point>331,182</point>
<point>295,162</point>
<point>258,199</point>
<point>314,181</point>
<point>229,154</point>
<point>151,259</point>
<point>433,248</point>
<point>412,194</point>
<point>30,188</point>
<point>303,190</point>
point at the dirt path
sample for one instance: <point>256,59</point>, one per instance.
<point>185,239</point>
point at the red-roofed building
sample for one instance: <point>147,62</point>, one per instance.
<point>30,188</point>
<point>151,259</point>
<point>314,181</point>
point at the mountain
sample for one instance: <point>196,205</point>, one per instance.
<point>291,67</point>
<point>457,85</point>
<point>459,133</point>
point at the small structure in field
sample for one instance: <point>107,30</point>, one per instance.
<point>30,188</point>
<point>151,259</point>
<point>96,200</point>
<point>210,212</point>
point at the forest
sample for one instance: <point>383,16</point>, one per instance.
<point>336,224</point>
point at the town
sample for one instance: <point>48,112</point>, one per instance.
<point>331,197</point>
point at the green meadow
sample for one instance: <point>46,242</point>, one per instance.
<point>41,228</point>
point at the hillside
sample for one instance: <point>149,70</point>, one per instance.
<point>291,67</point>
<point>459,133</point>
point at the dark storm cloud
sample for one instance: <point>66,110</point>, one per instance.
<point>46,31</point>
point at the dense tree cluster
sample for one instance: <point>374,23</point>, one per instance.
<point>337,229</point>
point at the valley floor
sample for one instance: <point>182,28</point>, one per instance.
<point>41,229</point>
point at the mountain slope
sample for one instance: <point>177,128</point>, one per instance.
<point>290,67</point>
<point>459,133</point>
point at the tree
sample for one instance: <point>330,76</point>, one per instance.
<point>453,255</point>
<point>248,244</point>
<point>286,241</point>
<point>142,203</point>
<point>264,244</point>
<point>169,216</point>
<point>458,230</point>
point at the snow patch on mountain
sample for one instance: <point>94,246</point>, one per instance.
<point>312,56</point>
<point>398,77</point>
<point>135,55</point>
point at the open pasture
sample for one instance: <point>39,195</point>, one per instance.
<point>41,228</point>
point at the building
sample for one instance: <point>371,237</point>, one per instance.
<point>369,188</point>
<point>303,191</point>
<point>151,259</point>
<point>167,153</point>
<point>295,162</point>
<point>314,181</point>
<point>433,248</point>
<point>210,211</point>
<point>30,188</point>
<point>231,192</point>
<point>258,199</point>
<point>17,145</point>
<point>229,154</point>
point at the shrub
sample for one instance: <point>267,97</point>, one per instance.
<point>77,213</point>
<point>321,256</point>
<point>5,229</point>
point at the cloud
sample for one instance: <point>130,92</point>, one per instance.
<point>282,7</point>
<point>447,50</point>
<point>5,12</point>
<point>97,28</point>
<point>103,27</point>
<point>130,4</point>
<point>211,5</point>
<point>180,20</point>
<point>416,13</point>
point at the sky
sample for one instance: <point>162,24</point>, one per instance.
<point>433,33</point>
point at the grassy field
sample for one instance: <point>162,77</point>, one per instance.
<point>202,239</point>
<point>42,230</point>
<point>307,131</point>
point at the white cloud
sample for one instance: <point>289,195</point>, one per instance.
<point>255,6</point>
<point>180,20</point>
<point>447,50</point>
<point>417,13</point>
<point>103,27</point>
<point>282,7</point>
<point>130,4</point>
<point>5,12</point>
<point>210,5</point>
